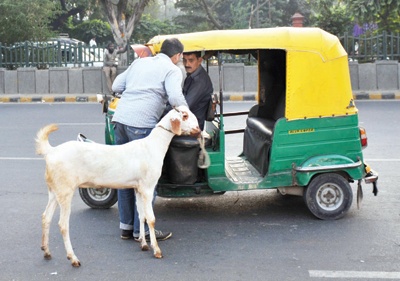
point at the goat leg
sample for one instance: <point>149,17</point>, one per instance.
<point>153,240</point>
<point>139,206</point>
<point>46,221</point>
<point>65,212</point>
<point>151,221</point>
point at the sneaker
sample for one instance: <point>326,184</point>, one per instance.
<point>126,234</point>
<point>160,236</point>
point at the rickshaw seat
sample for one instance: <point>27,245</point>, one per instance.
<point>257,142</point>
<point>261,125</point>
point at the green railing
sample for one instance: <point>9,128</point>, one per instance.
<point>62,54</point>
<point>51,54</point>
<point>373,47</point>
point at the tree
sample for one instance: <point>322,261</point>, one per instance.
<point>78,11</point>
<point>201,15</point>
<point>123,15</point>
<point>150,27</point>
<point>25,20</point>
<point>384,13</point>
<point>92,28</point>
<point>333,17</point>
<point>237,14</point>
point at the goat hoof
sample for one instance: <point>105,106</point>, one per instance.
<point>144,247</point>
<point>47,256</point>
<point>76,264</point>
<point>74,261</point>
<point>158,255</point>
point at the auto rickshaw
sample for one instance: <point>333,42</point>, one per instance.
<point>301,138</point>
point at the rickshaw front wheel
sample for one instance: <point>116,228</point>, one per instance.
<point>99,198</point>
<point>328,196</point>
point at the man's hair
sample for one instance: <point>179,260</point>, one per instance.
<point>171,47</point>
<point>197,54</point>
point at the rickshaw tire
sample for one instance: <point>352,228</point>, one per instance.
<point>88,197</point>
<point>328,196</point>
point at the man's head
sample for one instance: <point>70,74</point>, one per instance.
<point>191,61</point>
<point>110,47</point>
<point>173,48</point>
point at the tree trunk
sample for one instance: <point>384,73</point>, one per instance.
<point>123,21</point>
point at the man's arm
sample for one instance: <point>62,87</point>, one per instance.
<point>119,84</point>
<point>122,50</point>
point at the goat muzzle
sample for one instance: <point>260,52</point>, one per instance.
<point>195,132</point>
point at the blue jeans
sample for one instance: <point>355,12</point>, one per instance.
<point>128,214</point>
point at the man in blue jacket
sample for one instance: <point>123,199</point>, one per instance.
<point>146,86</point>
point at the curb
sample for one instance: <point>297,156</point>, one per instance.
<point>47,98</point>
<point>356,96</point>
<point>82,98</point>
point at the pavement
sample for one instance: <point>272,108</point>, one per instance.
<point>228,96</point>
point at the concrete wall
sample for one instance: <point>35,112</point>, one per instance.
<point>378,76</point>
<point>381,75</point>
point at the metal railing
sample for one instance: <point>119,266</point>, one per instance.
<point>371,48</point>
<point>65,54</point>
<point>51,54</point>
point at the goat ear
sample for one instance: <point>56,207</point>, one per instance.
<point>176,126</point>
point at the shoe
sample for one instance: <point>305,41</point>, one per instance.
<point>126,234</point>
<point>160,236</point>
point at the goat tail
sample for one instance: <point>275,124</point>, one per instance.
<point>42,139</point>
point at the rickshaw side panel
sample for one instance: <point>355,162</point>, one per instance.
<point>323,89</point>
<point>217,150</point>
<point>295,142</point>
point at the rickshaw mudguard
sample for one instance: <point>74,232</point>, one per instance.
<point>327,163</point>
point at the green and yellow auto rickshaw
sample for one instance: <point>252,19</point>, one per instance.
<point>301,138</point>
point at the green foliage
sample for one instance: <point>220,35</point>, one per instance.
<point>236,14</point>
<point>150,27</point>
<point>332,17</point>
<point>26,20</point>
<point>240,14</point>
<point>92,28</point>
<point>192,17</point>
<point>384,13</point>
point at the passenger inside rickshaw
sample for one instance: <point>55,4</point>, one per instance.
<point>181,158</point>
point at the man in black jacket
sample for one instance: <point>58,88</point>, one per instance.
<point>197,87</point>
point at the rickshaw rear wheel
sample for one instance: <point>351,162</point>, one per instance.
<point>328,196</point>
<point>99,198</point>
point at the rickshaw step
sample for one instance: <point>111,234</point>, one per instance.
<point>240,170</point>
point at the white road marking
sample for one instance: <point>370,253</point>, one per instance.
<point>81,124</point>
<point>382,160</point>
<point>354,274</point>
<point>20,158</point>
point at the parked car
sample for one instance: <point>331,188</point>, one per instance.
<point>75,53</point>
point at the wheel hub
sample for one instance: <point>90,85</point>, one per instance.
<point>99,194</point>
<point>329,196</point>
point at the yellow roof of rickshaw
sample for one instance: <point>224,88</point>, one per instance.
<point>289,38</point>
<point>318,81</point>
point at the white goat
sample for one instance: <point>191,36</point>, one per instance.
<point>136,164</point>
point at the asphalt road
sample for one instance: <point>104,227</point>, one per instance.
<point>248,235</point>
